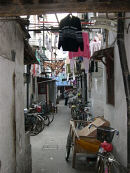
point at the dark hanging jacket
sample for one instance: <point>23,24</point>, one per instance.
<point>70,34</point>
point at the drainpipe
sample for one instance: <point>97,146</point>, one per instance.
<point>85,87</point>
<point>28,81</point>
<point>28,76</point>
<point>126,77</point>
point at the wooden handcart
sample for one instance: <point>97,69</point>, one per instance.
<point>80,144</point>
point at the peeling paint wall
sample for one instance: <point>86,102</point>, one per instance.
<point>117,114</point>
<point>127,38</point>
<point>52,92</point>
<point>12,133</point>
<point>7,117</point>
<point>33,95</point>
<point>97,91</point>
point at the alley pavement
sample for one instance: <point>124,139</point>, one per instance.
<point>48,148</point>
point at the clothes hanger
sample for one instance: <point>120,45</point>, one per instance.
<point>70,15</point>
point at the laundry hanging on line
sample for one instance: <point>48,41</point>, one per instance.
<point>86,64</point>
<point>93,66</point>
<point>86,52</point>
<point>79,64</point>
<point>95,45</point>
<point>70,34</point>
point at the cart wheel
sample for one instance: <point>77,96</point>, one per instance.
<point>68,146</point>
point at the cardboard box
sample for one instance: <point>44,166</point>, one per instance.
<point>100,121</point>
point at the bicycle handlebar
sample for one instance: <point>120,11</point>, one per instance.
<point>111,130</point>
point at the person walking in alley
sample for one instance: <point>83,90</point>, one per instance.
<point>66,97</point>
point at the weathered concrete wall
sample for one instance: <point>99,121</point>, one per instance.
<point>25,95</point>
<point>12,148</point>
<point>28,155</point>
<point>36,89</point>
<point>30,92</point>
<point>117,115</point>
<point>7,117</point>
<point>52,92</point>
<point>127,39</point>
<point>97,92</point>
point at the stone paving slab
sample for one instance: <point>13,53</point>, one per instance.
<point>48,148</point>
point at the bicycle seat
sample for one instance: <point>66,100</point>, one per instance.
<point>73,106</point>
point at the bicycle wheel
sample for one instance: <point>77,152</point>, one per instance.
<point>72,112</point>
<point>117,167</point>
<point>68,146</point>
<point>30,124</point>
<point>42,120</point>
<point>100,165</point>
<point>67,154</point>
<point>46,120</point>
<point>38,126</point>
<point>51,117</point>
<point>33,131</point>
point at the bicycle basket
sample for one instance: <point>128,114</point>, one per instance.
<point>105,133</point>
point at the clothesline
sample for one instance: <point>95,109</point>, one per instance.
<point>56,29</point>
<point>57,22</point>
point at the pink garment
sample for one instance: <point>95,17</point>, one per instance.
<point>86,52</point>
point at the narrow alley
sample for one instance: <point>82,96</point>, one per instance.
<point>65,86</point>
<point>48,148</point>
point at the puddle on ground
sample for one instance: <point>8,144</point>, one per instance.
<point>51,158</point>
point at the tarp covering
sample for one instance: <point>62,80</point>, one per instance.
<point>59,82</point>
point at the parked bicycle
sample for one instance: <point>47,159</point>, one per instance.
<point>38,116</point>
<point>34,123</point>
<point>80,111</point>
<point>106,162</point>
<point>45,110</point>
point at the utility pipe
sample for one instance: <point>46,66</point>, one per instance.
<point>126,77</point>
<point>28,81</point>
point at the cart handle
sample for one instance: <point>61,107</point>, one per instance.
<point>73,127</point>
